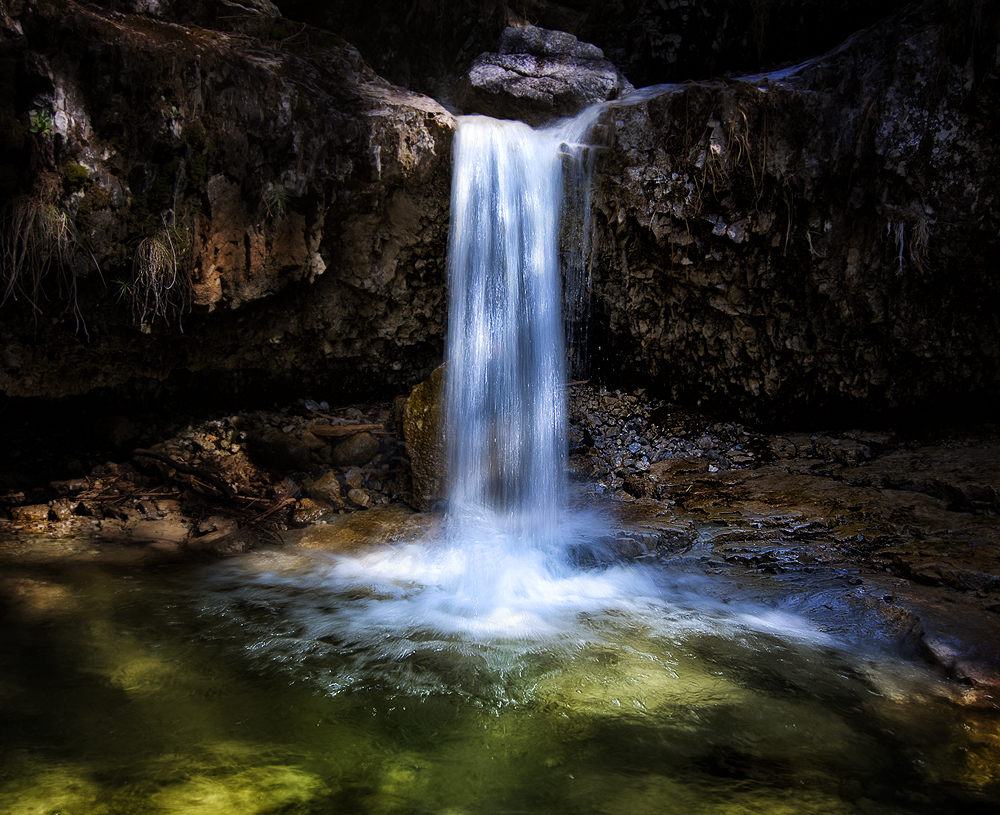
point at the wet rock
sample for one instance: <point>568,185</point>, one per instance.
<point>31,514</point>
<point>313,511</point>
<point>359,497</point>
<point>423,436</point>
<point>327,490</point>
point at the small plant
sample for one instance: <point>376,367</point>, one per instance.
<point>39,245</point>
<point>273,202</point>
<point>911,237</point>
<point>74,177</point>
<point>40,123</point>
<point>159,288</point>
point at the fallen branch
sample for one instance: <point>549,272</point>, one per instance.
<point>283,503</point>
<point>346,430</point>
<point>214,481</point>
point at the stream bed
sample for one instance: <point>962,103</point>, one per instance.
<point>292,680</point>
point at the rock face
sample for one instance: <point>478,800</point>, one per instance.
<point>539,75</point>
<point>199,172</point>
<point>814,239</point>
<point>207,197</point>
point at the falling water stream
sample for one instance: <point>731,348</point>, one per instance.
<point>512,663</point>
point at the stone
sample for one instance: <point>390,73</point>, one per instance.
<point>345,219</point>
<point>327,489</point>
<point>312,511</point>
<point>539,75</point>
<point>359,497</point>
<point>281,450</point>
<point>31,514</point>
<point>354,451</point>
<point>423,436</point>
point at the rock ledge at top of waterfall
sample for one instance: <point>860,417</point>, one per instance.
<point>539,75</point>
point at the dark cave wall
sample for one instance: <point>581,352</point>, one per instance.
<point>302,202</point>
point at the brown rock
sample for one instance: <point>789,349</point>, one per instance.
<point>423,435</point>
<point>355,450</point>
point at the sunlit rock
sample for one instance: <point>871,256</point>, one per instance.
<point>539,75</point>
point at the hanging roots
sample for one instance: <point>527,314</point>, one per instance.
<point>159,289</point>
<point>39,243</point>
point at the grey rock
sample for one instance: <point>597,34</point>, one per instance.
<point>538,76</point>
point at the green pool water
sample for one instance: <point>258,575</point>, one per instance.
<point>132,688</point>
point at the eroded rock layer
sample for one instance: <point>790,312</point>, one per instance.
<point>822,237</point>
<point>249,201</point>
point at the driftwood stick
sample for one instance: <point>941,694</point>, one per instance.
<point>345,430</point>
<point>215,481</point>
<point>284,502</point>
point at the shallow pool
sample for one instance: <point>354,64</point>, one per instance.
<point>294,681</point>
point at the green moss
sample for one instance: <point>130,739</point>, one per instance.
<point>74,177</point>
<point>95,199</point>
<point>160,195</point>
<point>199,168</point>
<point>195,134</point>
<point>279,32</point>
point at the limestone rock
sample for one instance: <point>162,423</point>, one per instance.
<point>539,75</point>
<point>423,418</point>
<point>808,243</point>
<point>277,168</point>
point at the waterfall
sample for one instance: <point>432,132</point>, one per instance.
<point>507,355</point>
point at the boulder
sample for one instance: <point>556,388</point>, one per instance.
<point>355,450</point>
<point>539,75</point>
<point>423,435</point>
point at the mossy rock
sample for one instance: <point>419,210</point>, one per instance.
<point>423,419</point>
<point>74,177</point>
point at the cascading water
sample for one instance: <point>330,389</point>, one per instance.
<point>505,402</point>
<point>506,368</point>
